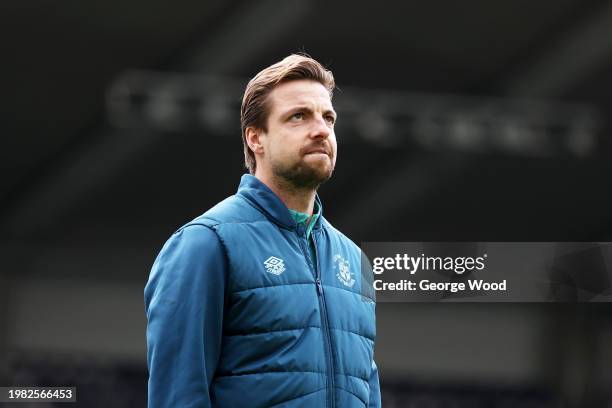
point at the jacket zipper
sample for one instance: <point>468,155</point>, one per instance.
<point>324,319</point>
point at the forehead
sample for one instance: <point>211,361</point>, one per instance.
<point>299,92</point>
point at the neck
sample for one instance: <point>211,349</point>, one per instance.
<point>298,199</point>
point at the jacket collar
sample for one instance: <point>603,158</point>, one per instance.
<point>263,198</point>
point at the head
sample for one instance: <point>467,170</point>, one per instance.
<point>287,122</point>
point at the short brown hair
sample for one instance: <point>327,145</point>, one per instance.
<point>254,111</point>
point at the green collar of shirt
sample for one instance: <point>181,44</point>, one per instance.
<point>303,218</point>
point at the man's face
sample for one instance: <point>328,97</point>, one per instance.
<point>300,144</point>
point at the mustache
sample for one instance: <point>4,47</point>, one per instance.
<point>317,148</point>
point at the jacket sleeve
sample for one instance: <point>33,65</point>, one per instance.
<point>184,302</point>
<point>375,401</point>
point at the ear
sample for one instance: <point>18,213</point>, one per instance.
<point>253,139</point>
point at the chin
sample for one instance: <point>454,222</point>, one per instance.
<point>305,173</point>
<point>321,175</point>
<point>322,169</point>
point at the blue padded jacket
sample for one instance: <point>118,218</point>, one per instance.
<point>240,315</point>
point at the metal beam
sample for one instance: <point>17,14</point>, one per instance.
<point>94,162</point>
<point>247,33</point>
<point>84,172</point>
<point>580,52</point>
<point>572,58</point>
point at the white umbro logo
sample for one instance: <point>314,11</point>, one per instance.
<point>274,265</point>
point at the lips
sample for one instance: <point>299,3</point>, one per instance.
<point>317,149</point>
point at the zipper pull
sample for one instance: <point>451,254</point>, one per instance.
<point>319,287</point>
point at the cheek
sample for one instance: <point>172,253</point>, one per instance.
<point>334,146</point>
<point>279,150</point>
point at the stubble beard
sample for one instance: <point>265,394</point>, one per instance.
<point>301,176</point>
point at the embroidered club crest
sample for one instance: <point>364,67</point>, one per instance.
<point>274,265</point>
<point>344,274</point>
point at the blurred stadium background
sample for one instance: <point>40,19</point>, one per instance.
<point>459,121</point>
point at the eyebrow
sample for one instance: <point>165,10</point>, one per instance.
<point>306,108</point>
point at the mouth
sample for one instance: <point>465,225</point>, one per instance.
<point>317,150</point>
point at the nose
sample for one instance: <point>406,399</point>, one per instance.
<point>321,129</point>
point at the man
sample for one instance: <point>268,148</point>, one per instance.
<point>258,302</point>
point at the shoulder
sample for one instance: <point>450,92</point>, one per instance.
<point>191,240</point>
<point>191,260</point>
<point>234,209</point>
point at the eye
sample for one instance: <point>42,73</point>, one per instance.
<point>330,119</point>
<point>297,116</point>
